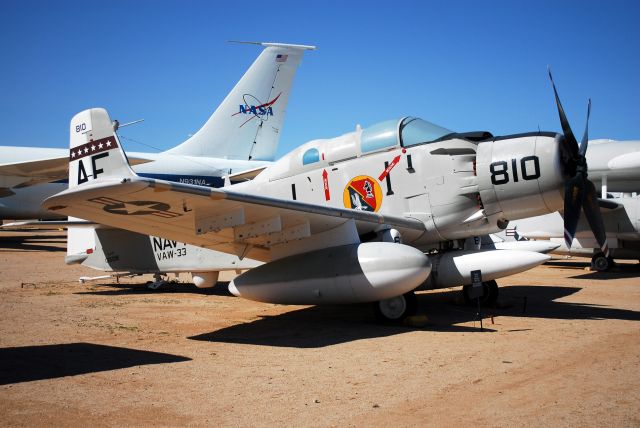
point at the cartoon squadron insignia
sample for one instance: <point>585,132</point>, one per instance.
<point>363,193</point>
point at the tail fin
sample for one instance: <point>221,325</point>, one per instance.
<point>94,148</point>
<point>248,123</point>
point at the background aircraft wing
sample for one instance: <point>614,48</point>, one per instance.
<point>53,168</point>
<point>46,225</point>
<point>221,219</point>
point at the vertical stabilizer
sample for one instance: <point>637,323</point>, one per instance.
<point>248,123</point>
<point>94,148</point>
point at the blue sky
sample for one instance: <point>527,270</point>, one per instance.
<point>466,65</point>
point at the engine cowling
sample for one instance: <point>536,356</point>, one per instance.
<point>353,273</point>
<point>520,176</point>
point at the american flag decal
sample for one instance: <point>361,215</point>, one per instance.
<point>281,58</point>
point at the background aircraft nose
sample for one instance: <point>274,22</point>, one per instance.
<point>233,290</point>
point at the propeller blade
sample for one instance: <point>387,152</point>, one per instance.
<point>573,198</point>
<point>594,217</point>
<point>585,137</point>
<point>570,140</point>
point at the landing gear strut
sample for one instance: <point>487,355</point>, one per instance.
<point>489,296</point>
<point>396,309</point>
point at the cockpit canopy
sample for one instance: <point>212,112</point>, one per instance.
<point>383,136</point>
<point>405,132</point>
<point>414,131</point>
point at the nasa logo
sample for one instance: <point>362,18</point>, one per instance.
<point>362,193</point>
<point>255,108</point>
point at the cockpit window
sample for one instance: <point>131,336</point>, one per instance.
<point>310,156</point>
<point>379,136</point>
<point>414,131</point>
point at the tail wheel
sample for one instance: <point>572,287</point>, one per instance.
<point>396,309</point>
<point>490,292</point>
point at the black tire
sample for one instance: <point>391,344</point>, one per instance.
<point>489,298</point>
<point>396,309</point>
<point>600,263</point>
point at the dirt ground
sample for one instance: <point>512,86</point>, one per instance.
<point>563,350</point>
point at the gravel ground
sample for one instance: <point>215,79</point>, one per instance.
<point>562,349</point>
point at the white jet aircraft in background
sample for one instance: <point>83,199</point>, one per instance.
<point>622,222</point>
<point>366,217</point>
<point>242,134</point>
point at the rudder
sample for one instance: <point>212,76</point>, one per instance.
<point>248,122</point>
<point>94,148</point>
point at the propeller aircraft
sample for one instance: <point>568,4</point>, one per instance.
<point>369,216</point>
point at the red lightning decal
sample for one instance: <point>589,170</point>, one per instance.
<point>388,169</point>
<point>325,181</point>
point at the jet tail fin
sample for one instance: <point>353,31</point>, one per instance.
<point>95,150</point>
<point>248,123</point>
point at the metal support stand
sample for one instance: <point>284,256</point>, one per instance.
<point>479,314</point>
<point>477,289</point>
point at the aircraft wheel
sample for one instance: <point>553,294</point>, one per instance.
<point>397,308</point>
<point>490,292</point>
<point>600,262</point>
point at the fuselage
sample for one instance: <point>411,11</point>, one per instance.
<point>621,224</point>
<point>411,168</point>
<point>614,165</point>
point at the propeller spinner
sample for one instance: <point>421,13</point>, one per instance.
<point>579,191</point>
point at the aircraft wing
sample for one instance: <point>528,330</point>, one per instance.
<point>246,225</point>
<point>53,168</point>
<point>47,224</point>
<point>56,167</point>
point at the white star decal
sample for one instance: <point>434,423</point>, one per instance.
<point>93,148</point>
<point>79,152</point>
<point>73,154</point>
<point>100,145</point>
<point>108,143</point>
<point>130,208</point>
<point>86,150</point>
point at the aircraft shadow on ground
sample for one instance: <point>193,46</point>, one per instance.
<point>568,263</point>
<point>312,327</point>
<point>622,270</point>
<point>115,289</point>
<point>33,243</point>
<point>29,363</point>
<point>320,326</point>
